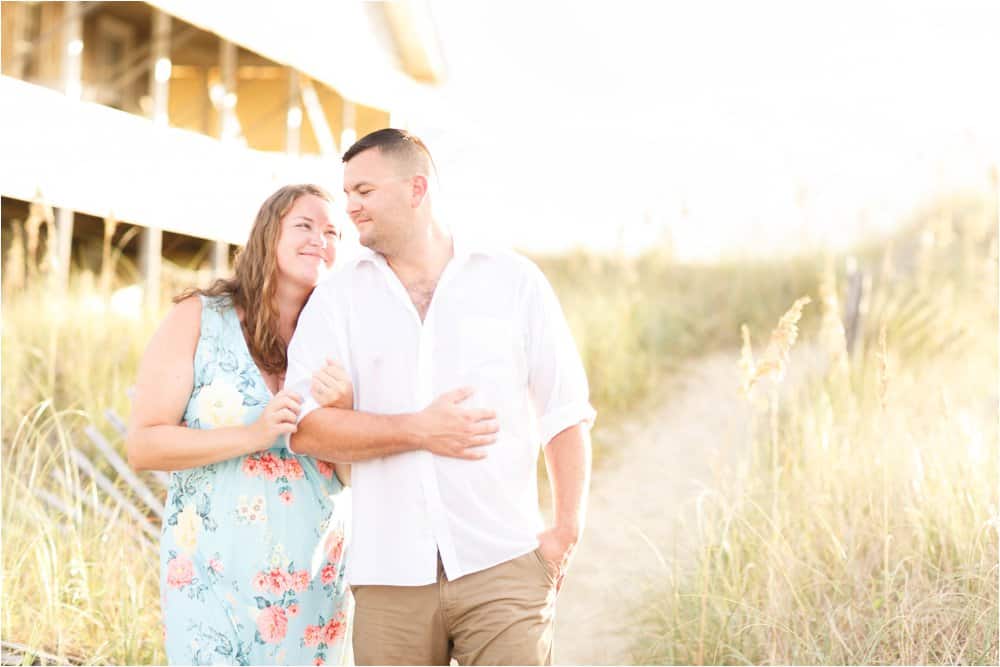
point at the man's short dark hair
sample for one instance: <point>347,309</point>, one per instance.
<point>399,144</point>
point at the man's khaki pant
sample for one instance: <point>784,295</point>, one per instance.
<point>501,616</point>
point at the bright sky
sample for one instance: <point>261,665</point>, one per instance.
<point>732,125</point>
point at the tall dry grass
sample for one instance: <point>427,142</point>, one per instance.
<point>81,587</point>
<point>862,527</point>
<point>637,319</point>
<point>76,584</point>
<point>85,589</point>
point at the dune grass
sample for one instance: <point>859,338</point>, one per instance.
<point>76,585</point>
<point>86,589</point>
<point>637,319</point>
<point>862,526</point>
<point>82,589</point>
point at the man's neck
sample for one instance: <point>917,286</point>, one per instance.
<point>423,260</point>
<point>420,267</point>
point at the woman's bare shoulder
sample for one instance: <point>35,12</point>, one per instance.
<point>186,313</point>
<point>182,325</point>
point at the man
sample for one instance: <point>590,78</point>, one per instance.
<point>448,557</point>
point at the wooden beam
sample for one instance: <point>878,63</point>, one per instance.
<point>415,39</point>
<point>320,126</point>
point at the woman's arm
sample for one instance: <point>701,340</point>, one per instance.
<point>155,439</point>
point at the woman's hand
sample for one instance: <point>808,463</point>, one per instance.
<point>332,388</point>
<point>279,418</point>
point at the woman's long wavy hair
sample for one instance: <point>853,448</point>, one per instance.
<point>253,287</point>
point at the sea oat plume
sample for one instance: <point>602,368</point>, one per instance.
<point>775,360</point>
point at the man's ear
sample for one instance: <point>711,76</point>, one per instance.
<point>418,191</point>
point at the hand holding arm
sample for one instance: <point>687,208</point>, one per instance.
<point>331,387</point>
<point>342,436</point>
<point>443,427</point>
<point>156,440</point>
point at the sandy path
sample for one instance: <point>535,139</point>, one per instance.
<point>661,466</point>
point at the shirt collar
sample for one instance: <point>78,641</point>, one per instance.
<point>462,248</point>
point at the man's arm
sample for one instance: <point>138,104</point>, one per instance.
<point>560,393</point>
<point>444,428</point>
<point>568,460</point>
<point>344,436</point>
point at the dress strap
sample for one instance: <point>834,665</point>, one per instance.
<point>214,312</point>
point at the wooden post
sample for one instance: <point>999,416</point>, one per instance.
<point>293,119</point>
<point>229,130</point>
<point>349,134</point>
<point>72,48</point>
<point>63,246</point>
<point>151,243</point>
<point>159,79</point>
<point>19,36</point>
<point>107,270</point>
<point>70,74</point>
<point>150,263</point>
<point>220,259</point>
<point>229,125</point>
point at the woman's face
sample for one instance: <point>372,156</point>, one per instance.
<point>307,242</point>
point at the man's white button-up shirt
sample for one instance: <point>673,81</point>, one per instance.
<point>494,324</point>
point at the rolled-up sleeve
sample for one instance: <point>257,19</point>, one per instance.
<point>320,334</point>
<point>557,380</point>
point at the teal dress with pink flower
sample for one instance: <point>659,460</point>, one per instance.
<point>252,549</point>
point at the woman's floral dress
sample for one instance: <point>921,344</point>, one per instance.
<point>252,550</point>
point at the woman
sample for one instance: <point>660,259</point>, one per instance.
<point>253,538</point>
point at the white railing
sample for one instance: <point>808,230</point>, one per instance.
<point>100,161</point>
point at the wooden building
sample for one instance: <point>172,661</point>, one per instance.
<point>177,118</point>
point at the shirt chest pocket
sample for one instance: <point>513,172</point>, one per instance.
<point>491,351</point>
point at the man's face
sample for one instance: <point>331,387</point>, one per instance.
<point>379,200</point>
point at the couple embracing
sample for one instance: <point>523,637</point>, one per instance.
<point>424,373</point>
